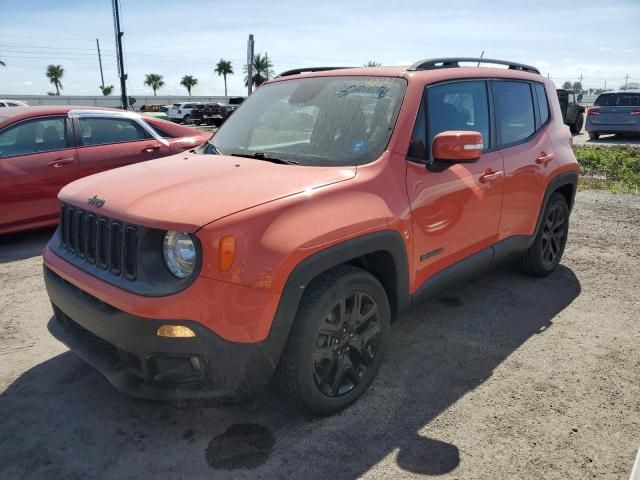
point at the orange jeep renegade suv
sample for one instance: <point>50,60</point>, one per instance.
<point>329,203</point>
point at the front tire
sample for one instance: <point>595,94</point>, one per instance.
<point>594,136</point>
<point>543,257</point>
<point>337,341</point>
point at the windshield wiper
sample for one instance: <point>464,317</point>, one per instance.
<point>262,156</point>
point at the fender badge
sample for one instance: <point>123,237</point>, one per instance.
<point>430,254</point>
<point>96,201</point>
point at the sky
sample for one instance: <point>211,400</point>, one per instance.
<point>595,39</point>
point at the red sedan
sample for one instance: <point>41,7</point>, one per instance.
<point>44,148</point>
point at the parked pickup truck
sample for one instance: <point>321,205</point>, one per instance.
<point>217,113</point>
<point>196,113</point>
<point>572,111</point>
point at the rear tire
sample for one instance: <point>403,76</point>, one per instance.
<point>543,257</point>
<point>577,126</point>
<point>594,135</point>
<point>187,119</point>
<point>337,341</point>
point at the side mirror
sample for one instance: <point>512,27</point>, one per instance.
<point>457,146</point>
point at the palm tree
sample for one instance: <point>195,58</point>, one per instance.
<point>54,74</point>
<point>262,70</point>
<point>371,63</point>
<point>106,89</point>
<point>188,82</point>
<point>154,81</point>
<point>224,68</point>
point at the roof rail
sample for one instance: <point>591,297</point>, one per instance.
<point>296,71</point>
<point>454,62</point>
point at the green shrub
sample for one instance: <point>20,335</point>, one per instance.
<point>620,167</point>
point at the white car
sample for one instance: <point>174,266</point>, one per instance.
<point>181,112</point>
<point>13,103</point>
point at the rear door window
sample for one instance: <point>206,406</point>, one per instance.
<point>458,106</point>
<point>103,131</point>
<point>514,111</point>
<point>34,136</point>
<point>543,105</point>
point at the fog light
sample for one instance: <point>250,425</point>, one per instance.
<point>175,331</point>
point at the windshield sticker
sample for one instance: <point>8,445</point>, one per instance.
<point>363,90</point>
<point>359,146</point>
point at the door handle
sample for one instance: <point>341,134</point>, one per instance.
<point>543,159</point>
<point>490,176</point>
<point>151,148</point>
<point>60,162</point>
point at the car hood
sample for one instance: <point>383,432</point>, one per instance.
<point>187,191</point>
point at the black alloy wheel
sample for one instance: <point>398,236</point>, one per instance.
<point>545,253</point>
<point>553,235</point>
<point>337,341</point>
<point>347,344</point>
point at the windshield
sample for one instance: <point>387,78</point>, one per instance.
<point>321,121</point>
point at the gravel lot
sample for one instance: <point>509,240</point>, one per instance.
<point>504,377</point>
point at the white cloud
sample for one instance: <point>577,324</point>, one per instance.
<point>28,83</point>
<point>541,64</point>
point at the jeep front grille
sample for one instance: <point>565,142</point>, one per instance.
<point>108,244</point>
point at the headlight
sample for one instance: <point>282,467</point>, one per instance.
<point>179,253</point>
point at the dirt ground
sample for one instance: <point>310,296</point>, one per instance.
<point>504,377</point>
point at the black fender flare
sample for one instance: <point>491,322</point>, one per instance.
<point>560,180</point>
<point>389,241</point>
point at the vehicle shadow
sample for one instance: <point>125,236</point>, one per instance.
<point>22,245</point>
<point>62,419</point>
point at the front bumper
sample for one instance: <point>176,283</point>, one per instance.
<point>127,351</point>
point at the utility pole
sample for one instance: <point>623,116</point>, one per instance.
<point>100,62</point>
<point>123,76</point>
<point>250,64</point>
<point>626,81</point>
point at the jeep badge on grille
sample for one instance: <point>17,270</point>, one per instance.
<point>96,201</point>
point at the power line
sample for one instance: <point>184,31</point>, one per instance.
<point>53,53</point>
<point>43,46</point>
